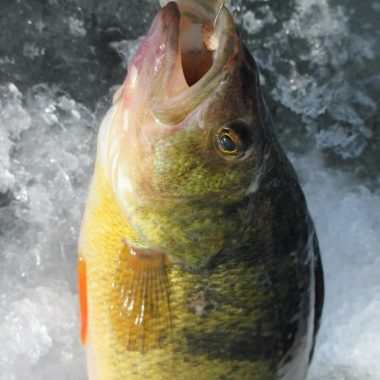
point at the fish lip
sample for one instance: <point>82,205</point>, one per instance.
<point>173,110</point>
<point>203,8</point>
<point>166,25</point>
<point>160,78</point>
<point>170,12</point>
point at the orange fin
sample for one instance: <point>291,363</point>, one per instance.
<point>82,290</point>
<point>142,316</point>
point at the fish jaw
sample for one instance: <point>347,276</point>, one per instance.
<point>220,41</point>
<point>157,137</point>
<point>183,58</point>
<point>201,8</point>
<point>162,91</point>
<point>155,67</point>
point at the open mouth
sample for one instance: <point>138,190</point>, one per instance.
<point>185,56</point>
<point>197,24</point>
<point>196,57</point>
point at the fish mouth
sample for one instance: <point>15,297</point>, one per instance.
<point>186,54</point>
<point>196,55</point>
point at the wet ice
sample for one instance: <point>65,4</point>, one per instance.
<point>39,220</point>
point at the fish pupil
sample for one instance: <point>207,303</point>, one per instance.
<point>227,143</point>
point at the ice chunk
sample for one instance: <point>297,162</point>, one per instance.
<point>347,144</point>
<point>302,94</point>
<point>47,141</point>
<point>13,120</point>
<point>76,27</point>
<point>251,23</point>
<point>314,64</point>
<point>37,332</point>
<point>32,51</point>
<point>347,223</point>
<point>7,180</point>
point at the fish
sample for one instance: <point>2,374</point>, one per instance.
<point>197,256</point>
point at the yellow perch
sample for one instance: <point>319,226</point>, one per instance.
<point>198,259</point>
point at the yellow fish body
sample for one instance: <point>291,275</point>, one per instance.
<point>197,256</point>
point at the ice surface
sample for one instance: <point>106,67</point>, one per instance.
<point>58,63</point>
<point>13,120</point>
<point>348,223</point>
<point>39,220</point>
<point>319,62</point>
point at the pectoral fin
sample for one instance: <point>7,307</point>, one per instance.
<point>82,290</point>
<point>142,317</point>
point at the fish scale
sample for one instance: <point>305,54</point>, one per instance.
<point>197,255</point>
<point>177,355</point>
<point>197,346</point>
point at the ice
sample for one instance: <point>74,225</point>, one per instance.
<point>76,27</point>
<point>59,66</point>
<point>13,120</point>
<point>7,180</point>
<point>253,23</point>
<point>302,94</point>
<point>319,66</point>
<point>348,224</point>
<point>347,144</point>
<point>32,51</point>
<point>38,231</point>
<point>37,339</point>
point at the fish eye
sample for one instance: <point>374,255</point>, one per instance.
<point>233,140</point>
<point>228,141</point>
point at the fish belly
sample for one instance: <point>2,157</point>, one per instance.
<point>223,325</point>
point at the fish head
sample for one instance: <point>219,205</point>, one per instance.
<point>189,125</point>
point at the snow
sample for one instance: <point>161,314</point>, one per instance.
<point>348,224</point>
<point>39,222</point>
<point>322,84</point>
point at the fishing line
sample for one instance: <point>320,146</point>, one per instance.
<point>221,2</point>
